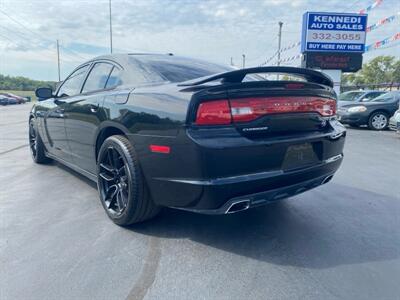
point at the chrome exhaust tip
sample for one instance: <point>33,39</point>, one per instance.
<point>237,206</point>
<point>327,179</point>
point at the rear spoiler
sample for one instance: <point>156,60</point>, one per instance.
<point>237,76</point>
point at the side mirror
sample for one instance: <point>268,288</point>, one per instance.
<point>364,99</point>
<point>44,93</point>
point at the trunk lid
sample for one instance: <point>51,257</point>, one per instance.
<point>279,107</point>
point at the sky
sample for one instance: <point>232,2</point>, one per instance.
<point>210,30</point>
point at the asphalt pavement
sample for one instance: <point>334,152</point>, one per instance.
<point>339,241</point>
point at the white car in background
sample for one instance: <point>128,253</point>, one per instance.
<point>394,122</point>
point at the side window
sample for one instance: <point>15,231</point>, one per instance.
<point>72,85</point>
<point>376,94</point>
<point>114,79</point>
<point>371,96</point>
<point>97,77</point>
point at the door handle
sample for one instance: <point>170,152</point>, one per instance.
<point>94,108</point>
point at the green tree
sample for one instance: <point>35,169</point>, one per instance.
<point>396,72</point>
<point>381,69</point>
<point>22,83</point>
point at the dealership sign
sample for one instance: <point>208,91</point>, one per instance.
<point>333,32</point>
<point>347,62</point>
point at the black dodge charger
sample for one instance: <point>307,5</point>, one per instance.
<point>160,130</point>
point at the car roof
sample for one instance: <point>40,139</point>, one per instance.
<point>122,57</point>
<point>393,92</point>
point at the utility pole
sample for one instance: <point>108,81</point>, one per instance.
<point>231,61</point>
<point>243,61</point>
<point>58,61</point>
<point>279,42</point>
<point>111,42</point>
<point>279,46</point>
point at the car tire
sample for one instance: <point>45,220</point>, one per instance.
<point>121,184</point>
<point>36,145</point>
<point>378,121</point>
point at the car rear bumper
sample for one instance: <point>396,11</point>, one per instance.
<point>394,123</point>
<point>206,171</point>
<point>271,188</point>
<point>395,126</point>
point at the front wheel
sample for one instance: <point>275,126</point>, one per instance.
<point>378,121</point>
<point>123,192</point>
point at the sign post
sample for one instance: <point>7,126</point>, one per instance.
<point>333,41</point>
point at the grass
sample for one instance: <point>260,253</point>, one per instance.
<point>21,93</point>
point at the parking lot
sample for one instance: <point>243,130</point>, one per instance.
<point>341,240</point>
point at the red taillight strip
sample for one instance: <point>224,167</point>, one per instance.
<point>219,112</point>
<point>160,149</point>
<point>248,109</point>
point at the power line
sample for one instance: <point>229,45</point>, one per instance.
<point>39,35</point>
<point>24,37</point>
<point>13,42</point>
<point>18,34</point>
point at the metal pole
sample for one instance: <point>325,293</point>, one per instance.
<point>279,42</point>
<point>231,61</point>
<point>111,42</point>
<point>279,46</point>
<point>243,61</point>
<point>58,61</point>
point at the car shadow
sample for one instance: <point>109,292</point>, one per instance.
<point>314,230</point>
<point>326,227</point>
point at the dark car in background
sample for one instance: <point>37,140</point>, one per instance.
<point>18,99</point>
<point>374,113</point>
<point>7,100</point>
<point>351,97</point>
<point>12,98</point>
<point>3,100</point>
<point>161,130</point>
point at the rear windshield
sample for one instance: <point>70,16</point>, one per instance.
<point>174,69</point>
<point>350,96</point>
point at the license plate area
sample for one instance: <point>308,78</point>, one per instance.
<point>302,155</point>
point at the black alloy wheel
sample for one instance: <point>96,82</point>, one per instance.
<point>122,188</point>
<point>113,178</point>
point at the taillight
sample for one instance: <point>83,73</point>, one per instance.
<point>214,113</point>
<point>248,109</point>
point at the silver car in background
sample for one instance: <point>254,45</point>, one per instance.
<point>394,122</point>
